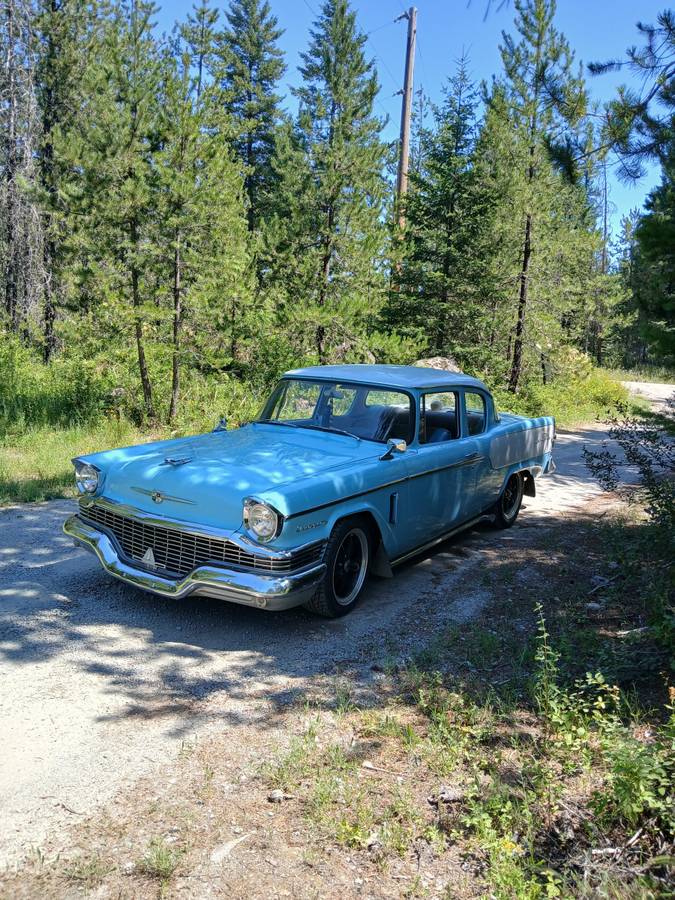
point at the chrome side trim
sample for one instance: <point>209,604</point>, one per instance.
<point>262,591</point>
<point>243,542</point>
<point>485,517</point>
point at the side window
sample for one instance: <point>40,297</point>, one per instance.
<point>342,399</point>
<point>438,421</point>
<point>393,413</point>
<point>476,414</point>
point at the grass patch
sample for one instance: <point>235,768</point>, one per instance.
<point>160,860</point>
<point>653,374</point>
<point>36,464</point>
<point>87,871</point>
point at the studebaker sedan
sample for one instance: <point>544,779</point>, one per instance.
<point>348,470</point>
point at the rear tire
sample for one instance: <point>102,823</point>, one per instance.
<point>347,559</point>
<point>508,506</point>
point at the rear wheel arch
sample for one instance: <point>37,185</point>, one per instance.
<point>507,507</point>
<point>529,488</point>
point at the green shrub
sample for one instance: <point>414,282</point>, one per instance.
<point>570,398</point>
<point>68,391</point>
<point>639,784</point>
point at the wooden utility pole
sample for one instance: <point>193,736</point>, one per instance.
<point>406,112</point>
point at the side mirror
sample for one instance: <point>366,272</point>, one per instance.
<point>394,445</point>
<point>222,425</point>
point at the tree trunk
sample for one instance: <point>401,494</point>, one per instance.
<point>177,322</point>
<point>234,344</point>
<point>46,172</point>
<point>517,364</point>
<point>249,181</point>
<point>11,208</point>
<point>325,276</point>
<point>138,328</point>
<point>49,307</point>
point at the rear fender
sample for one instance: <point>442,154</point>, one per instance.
<point>530,470</point>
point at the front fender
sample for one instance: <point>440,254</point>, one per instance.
<point>311,510</point>
<point>319,525</point>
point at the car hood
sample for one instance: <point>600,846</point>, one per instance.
<point>205,479</point>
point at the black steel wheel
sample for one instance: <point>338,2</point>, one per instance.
<point>347,558</point>
<point>508,506</point>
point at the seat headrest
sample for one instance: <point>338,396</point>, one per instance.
<point>444,420</point>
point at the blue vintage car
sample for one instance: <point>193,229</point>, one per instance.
<point>348,470</point>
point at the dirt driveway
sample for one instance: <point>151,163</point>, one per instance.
<point>102,684</point>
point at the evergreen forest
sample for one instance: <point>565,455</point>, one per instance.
<point>172,238</point>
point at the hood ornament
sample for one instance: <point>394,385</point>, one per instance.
<point>176,460</point>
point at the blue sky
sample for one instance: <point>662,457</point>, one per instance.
<point>596,30</point>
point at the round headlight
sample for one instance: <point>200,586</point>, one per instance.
<point>261,520</point>
<point>86,478</point>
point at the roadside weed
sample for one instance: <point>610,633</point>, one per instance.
<point>87,870</point>
<point>160,859</point>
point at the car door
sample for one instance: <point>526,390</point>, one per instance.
<point>483,488</point>
<point>441,467</point>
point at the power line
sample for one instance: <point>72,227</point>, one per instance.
<point>421,56</point>
<point>380,27</point>
<point>395,81</point>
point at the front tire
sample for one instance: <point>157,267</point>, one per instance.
<point>508,506</point>
<point>347,558</point>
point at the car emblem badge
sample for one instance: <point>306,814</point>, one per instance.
<point>159,497</point>
<point>149,558</point>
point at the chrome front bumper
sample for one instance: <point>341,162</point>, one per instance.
<point>271,592</point>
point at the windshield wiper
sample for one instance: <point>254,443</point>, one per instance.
<point>331,430</point>
<point>275,422</point>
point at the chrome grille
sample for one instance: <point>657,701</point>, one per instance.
<point>180,552</point>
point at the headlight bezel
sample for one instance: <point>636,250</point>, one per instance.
<point>88,477</point>
<point>248,518</point>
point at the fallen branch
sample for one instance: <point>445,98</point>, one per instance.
<point>604,583</point>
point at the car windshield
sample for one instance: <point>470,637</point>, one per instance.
<point>363,411</point>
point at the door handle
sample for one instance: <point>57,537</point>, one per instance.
<point>472,457</point>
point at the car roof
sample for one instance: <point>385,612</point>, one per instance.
<point>406,377</point>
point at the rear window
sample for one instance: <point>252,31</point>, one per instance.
<point>476,412</point>
<point>438,421</point>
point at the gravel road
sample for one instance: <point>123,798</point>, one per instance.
<point>102,683</point>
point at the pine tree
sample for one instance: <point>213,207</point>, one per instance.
<point>443,285</point>
<point>66,38</point>
<point>112,194</point>
<point>199,33</point>
<point>637,122</point>
<point>331,238</point>
<point>249,69</point>
<point>546,103</point>
<point>21,271</point>
<point>202,234</point>
<point>655,234</point>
